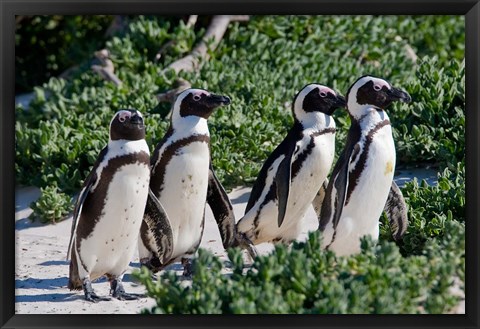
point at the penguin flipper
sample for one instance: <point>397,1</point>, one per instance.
<point>89,182</point>
<point>283,179</point>
<point>318,200</point>
<point>337,188</point>
<point>222,209</point>
<point>396,211</point>
<point>341,184</point>
<point>87,185</point>
<point>158,223</point>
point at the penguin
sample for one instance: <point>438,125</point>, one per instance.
<point>361,184</point>
<point>293,175</point>
<point>109,209</point>
<point>183,180</point>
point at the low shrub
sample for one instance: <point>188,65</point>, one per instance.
<point>414,275</point>
<point>306,280</point>
<point>51,206</point>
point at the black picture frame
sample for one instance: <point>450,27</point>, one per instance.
<point>10,8</point>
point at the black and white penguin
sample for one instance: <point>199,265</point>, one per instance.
<point>294,173</point>
<point>109,209</point>
<point>362,179</point>
<point>183,180</point>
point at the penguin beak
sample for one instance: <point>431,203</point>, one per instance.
<point>136,120</point>
<point>218,100</point>
<point>399,95</point>
<point>337,101</point>
<point>340,102</point>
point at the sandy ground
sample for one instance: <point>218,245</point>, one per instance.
<point>41,273</point>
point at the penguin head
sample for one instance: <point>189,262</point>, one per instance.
<point>197,102</point>
<point>127,124</point>
<point>368,92</point>
<point>316,98</point>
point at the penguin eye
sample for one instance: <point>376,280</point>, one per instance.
<point>196,97</point>
<point>377,87</point>
<point>121,119</point>
<point>323,94</point>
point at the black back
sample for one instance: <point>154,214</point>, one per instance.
<point>294,135</point>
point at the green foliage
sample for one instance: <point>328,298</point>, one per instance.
<point>431,208</point>
<point>432,128</point>
<point>60,42</point>
<point>52,205</point>
<point>260,65</point>
<point>306,280</point>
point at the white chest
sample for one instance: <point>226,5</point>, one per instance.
<point>312,173</point>
<point>360,216</point>
<point>109,248</point>
<point>185,194</point>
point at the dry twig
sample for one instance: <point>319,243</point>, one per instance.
<point>214,34</point>
<point>106,68</point>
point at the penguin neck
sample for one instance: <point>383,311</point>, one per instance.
<point>314,120</point>
<point>359,111</point>
<point>124,146</point>
<point>190,125</point>
<point>368,116</point>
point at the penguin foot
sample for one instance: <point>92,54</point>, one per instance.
<point>244,242</point>
<point>153,264</point>
<point>118,292</point>
<point>187,268</point>
<point>252,251</point>
<point>90,295</point>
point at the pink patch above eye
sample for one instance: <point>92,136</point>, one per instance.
<point>325,90</point>
<point>380,84</point>
<point>123,115</point>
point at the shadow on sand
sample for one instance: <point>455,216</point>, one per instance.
<point>47,284</point>
<point>241,198</point>
<point>49,298</point>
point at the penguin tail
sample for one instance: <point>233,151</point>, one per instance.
<point>74,282</point>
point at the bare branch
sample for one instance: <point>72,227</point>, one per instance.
<point>214,34</point>
<point>192,20</point>
<point>411,53</point>
<point>170,95</point>
<point>106,68</point>
<point>239,18</point>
